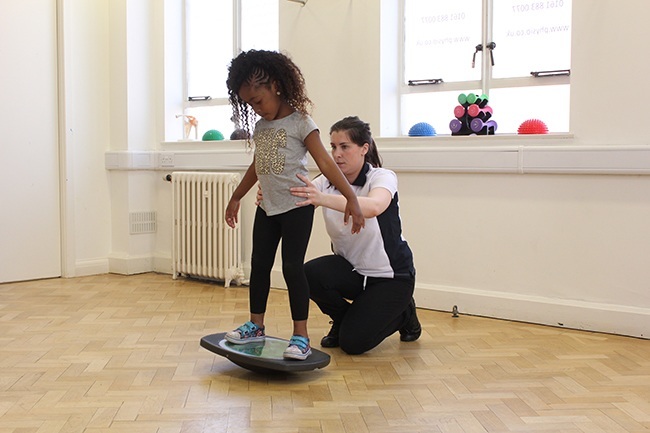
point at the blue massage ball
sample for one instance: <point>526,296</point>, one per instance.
<point>422,129</point>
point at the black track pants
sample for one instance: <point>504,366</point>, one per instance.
<point>366,316</point>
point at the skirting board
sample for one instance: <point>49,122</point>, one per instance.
<point>580,315</point>
<point>130,265</point>
<point>84,268</point>
<point>570,314</point>
<point>162,264</point>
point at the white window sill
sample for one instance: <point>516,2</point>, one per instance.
<point>552,153</point>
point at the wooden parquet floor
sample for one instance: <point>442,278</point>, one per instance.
<point>111,353</point>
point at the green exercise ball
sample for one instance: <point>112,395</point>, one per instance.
<point>212,135</point>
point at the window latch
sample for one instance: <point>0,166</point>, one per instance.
<point>423,82</point>
<point>555,73</point>
<point>491,46</point>
<point>479,47</point>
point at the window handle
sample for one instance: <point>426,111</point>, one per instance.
<point>554,73</point>
<point>423,82</point>
<point>479,47</point>
<point>491,46</point>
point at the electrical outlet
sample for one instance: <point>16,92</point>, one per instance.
<point>166,159</point>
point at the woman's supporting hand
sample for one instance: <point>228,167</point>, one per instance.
<point>309,192</point>
<point>312,195</point>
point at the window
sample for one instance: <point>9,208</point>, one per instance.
<point>486,47</point>
<point>215,32</point>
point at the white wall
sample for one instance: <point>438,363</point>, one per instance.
<point>335,44</point>
<point>547,247</point>
<point>86,134</point>
<point>112,75</point>
<point>30,223</point>
<point>609,66</point>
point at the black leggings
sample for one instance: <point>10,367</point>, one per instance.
<point>294,228</point>
<point>375,312</point>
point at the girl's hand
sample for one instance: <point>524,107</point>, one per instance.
<point>231,212</point>
<point>313,196</point>
<point>352,209</point>
<point>309,192</point>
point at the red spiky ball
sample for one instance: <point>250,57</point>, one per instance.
<point>533,126</point>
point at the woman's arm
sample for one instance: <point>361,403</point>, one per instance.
<point>372,205</point>
<point>329,168</point>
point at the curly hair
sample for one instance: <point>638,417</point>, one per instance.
<point>272,67</point>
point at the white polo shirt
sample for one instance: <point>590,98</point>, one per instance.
<point>379,250</point>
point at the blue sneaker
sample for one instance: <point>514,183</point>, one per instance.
<point>298,348</point>
<point>246,333</point>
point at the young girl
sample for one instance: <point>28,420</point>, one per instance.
<point>268,84</point>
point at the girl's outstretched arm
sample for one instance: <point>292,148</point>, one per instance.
<point>247,182</point>
<point>329,168</point>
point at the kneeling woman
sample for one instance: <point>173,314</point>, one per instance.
<point>367,285</point>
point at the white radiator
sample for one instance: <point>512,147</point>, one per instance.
<point>203,245</point>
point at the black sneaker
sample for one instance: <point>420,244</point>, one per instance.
<point>332,337</point>
<point>412,330</point>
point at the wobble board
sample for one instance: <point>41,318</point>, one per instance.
<point>264,356</point>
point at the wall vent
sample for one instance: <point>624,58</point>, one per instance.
<point>142,222</point>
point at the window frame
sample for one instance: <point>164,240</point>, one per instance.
<point>486,83</point>
<point>236,49</point>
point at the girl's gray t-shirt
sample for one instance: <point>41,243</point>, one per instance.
<point>280,154</point>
